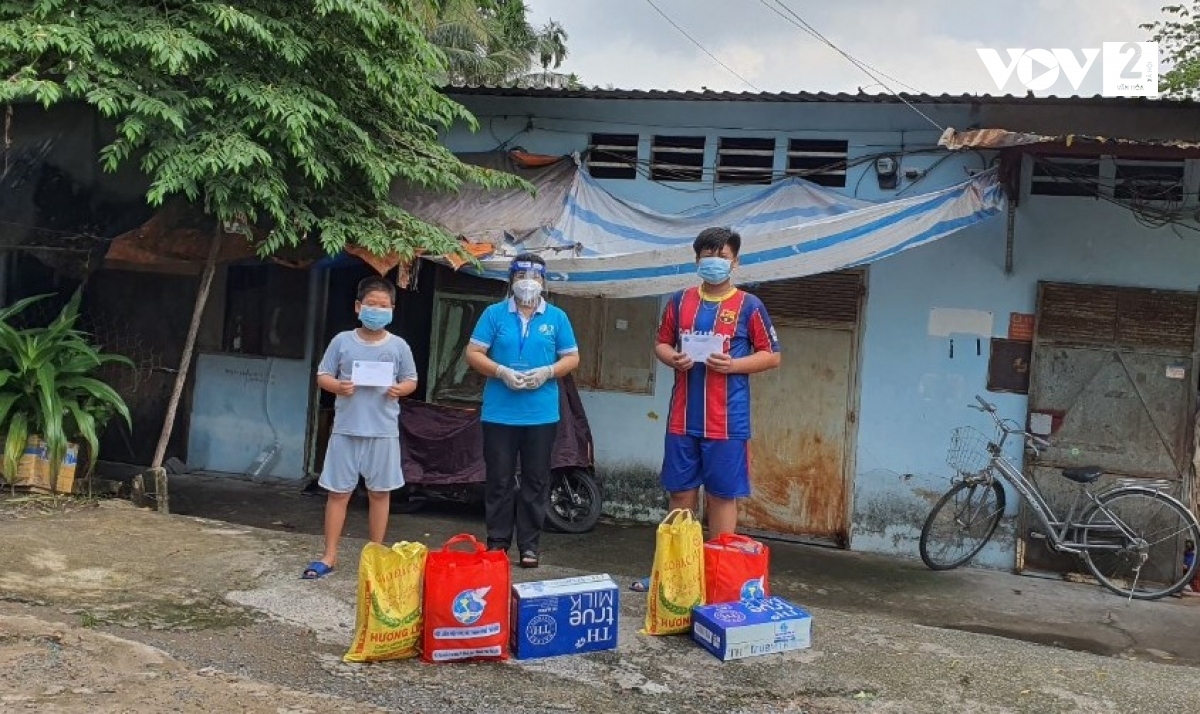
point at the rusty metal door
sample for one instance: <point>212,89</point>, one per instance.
<point>1113,384</point>
<point>803,412</point>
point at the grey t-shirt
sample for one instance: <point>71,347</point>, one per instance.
<point>369,411</point>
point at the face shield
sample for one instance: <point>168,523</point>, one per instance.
<point>527,279</point>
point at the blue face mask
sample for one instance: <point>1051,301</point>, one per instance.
<point>713,270</point>
<point>374,318</point>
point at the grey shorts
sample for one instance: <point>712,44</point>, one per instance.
<point>376,459</point>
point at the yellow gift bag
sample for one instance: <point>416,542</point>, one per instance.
<point>388,623</point>
<point>677,580</point>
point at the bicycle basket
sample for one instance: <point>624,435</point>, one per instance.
<point>968,451</point>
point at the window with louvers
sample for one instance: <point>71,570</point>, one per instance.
<point>832,299</point>
<point>1129,318</point>
<point>745,160</point>
<point>677,158</point>
<point>613,156</point>
<point>821,161</point>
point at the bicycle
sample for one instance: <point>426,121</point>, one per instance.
<point>1138,529</point>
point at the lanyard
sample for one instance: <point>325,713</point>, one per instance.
<point>522,332</point>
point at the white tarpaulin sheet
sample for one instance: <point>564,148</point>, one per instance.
<point>596,244</point>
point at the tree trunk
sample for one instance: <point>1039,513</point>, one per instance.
<point>185,362</point>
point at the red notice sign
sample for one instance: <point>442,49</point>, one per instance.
<point>1020,327</point>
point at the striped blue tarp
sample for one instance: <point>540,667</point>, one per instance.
<point>600,245</point>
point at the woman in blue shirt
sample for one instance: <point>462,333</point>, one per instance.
<point>522,345</point>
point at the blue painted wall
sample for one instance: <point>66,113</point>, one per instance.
<point>912,392</point>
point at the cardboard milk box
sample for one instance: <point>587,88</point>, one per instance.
<point>751,628</point>
<point>567,616</point>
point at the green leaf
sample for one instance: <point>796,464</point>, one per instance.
<point>99,391</point>
<point>14,445</point>
<point>6,403</point>
<point>85,425</point>
<point>296,118</point>
<point>51,403</point>
<point>19,306</point>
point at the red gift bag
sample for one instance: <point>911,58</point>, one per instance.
<point>735,568</point>
<point>466,603</point>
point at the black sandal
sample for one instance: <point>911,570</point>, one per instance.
<point>529,559</point>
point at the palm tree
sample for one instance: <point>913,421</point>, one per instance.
<point>491,42</point>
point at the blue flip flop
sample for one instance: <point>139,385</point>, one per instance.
<point>640,585</point>
<point>315,571</point>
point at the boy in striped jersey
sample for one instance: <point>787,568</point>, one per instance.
<point>708,428</point>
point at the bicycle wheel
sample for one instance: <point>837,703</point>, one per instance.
<point>961,523</point>
<point>1138,551</point>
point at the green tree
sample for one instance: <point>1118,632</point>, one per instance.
<point>295,117</point>
<point>492,42</point>
<point>279,119</point>
<point>1178,35</point>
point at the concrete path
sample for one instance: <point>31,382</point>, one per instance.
<point>224,600</point>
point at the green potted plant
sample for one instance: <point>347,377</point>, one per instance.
<point>49,395</point>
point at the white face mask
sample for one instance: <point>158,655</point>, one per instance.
<point>527,291</point>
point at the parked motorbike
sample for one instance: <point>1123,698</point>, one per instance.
<point>442,447</point>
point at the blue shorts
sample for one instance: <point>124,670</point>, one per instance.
<point>721,466</point>
<point>376,459</point>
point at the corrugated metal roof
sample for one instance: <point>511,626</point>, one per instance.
<point>1004,139</point>
<point>808,97</point>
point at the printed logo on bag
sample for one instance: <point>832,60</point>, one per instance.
<point>753,589</point>
<point>469,605</point>
<point>728,614</point>
<point>541,630</point>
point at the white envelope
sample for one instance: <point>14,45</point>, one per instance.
<point>373,374</point>
<point>700,347</point>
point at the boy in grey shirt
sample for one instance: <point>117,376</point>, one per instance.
<point>366,423</point>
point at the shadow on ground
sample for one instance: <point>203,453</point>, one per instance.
<point>1047,611</point>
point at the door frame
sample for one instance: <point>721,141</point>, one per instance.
<point>853,400</point>
<point>1187,477</point>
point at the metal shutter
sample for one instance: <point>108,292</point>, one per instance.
<point>1125,318</point>
<point>830,299</point>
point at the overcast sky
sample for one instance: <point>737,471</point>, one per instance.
<point>928,44</point>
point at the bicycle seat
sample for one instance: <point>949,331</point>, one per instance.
<point>1083,474</point>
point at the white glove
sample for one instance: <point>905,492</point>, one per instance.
<point>510,378</point>
<point>537,377</point>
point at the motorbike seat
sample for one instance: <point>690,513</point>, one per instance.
<point>1083,474</point>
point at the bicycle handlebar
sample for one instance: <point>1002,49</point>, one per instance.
<point>1033,440</point>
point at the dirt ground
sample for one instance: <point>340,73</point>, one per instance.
<point>53,666</point>
<point>106,608</point>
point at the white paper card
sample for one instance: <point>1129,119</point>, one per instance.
<point>947,321</point>
<point>1041,424</point>
<point>373,374</point>
<point>700,347</point>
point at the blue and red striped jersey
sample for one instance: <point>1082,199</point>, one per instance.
<point>705,403</point>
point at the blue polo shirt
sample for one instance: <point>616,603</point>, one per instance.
<point>513,341</point>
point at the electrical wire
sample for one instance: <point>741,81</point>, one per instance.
<point>813,32</point>
<point>800,22</point>
<point>1154,202</point>
<point>702,48</point>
